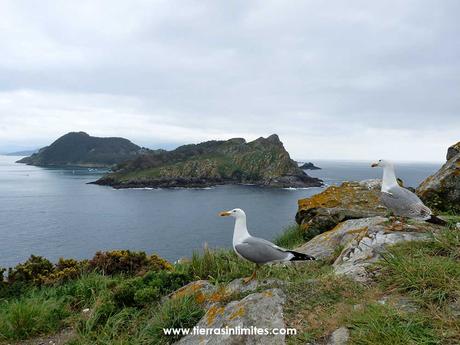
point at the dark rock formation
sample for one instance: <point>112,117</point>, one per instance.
<point>441,191</point>
<point>80,149</point>
<point>263,162</point>
<point>309,166</point>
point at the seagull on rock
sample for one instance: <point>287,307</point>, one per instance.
<point>258,250</point>
<point>401,201</point>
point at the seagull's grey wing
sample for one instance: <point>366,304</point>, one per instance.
<point>405,203</point>
<point>261,251</point>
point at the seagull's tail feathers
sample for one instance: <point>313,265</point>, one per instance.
<point>300,256</point>
<point>436,220</point>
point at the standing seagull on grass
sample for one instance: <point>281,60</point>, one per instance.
<point>401,201</point>
<point>256,249</point>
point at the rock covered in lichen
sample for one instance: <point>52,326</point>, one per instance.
<point>441,191</point>
<point>262,310</point>
<point>351,200</point>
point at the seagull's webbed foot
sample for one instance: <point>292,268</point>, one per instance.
<point>252,277</point>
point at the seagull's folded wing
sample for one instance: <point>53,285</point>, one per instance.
<point>405,203</point>
<point>261,251</point>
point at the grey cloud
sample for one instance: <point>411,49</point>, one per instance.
<point>171,72</point>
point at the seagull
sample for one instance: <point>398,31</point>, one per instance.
<point>401,201</point>
<point>258,250</point>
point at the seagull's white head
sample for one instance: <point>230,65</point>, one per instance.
<point>382,163</point>
<point>235,213</point>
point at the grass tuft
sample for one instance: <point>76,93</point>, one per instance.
<point>291,237</point>
<point>380,324</point>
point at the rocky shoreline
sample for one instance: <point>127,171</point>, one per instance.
<point>292,181</point>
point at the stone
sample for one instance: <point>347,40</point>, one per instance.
<point>326,244</point>
<point>203,291</point>
<point>350,200</point>
<point>238,285</point>
<point>441,191</point>
<point>339,337</point>
<point>367,248</point>
<point>263,310</point>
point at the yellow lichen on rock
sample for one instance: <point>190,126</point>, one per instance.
<point>212,313</point>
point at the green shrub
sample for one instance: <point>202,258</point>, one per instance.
<point>147,295</point>
<point>124,293</point>
<point>166,281</point>
<point>128,262</point>
<point>118,261</point>
<point>34,271</point>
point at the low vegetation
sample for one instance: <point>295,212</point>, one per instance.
<point>118,297</point>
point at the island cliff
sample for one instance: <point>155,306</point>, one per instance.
<point>81,149</point>
<point>263,161</point>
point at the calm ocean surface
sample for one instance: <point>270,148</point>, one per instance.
<point>54,213</point>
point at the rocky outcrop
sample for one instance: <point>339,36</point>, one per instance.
<point>309,166</point>
<point>326,244</point>
<point>263,162</point>
<point>208,294</point>
<point>351,200</point>
<point>81,149</point>
<point>358,243</point>
<point>367,248</point>
<point>453,151</point>
<point>441,191</point>
<point>262,310</point>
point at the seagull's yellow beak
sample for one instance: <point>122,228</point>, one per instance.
<point>224,214</point>
<point>373,165</point>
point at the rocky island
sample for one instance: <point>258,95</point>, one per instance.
<point>263,162</point>
<point>309,166</point>
<point>82,150</point>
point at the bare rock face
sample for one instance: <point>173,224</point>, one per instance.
<point>366,248</point>
<point>327,243</point>
<point>441,191</point>
<point>359,242</point>
<point>262,310</point>
<point>351,200</point>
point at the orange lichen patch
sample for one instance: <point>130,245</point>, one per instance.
<point>200,297</point>
<point>189,290</point>
<point>237,313</point>
<point>213,312</point>
<point>348,193</point>
<point>219,295</point>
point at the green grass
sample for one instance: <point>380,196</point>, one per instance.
<point>291,237</point>
<point>182,312</point>
<point>31,315</point>
<point>384,325</point>
<point>429,272</point>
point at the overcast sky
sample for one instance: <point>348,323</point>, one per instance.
<point>335,79</point>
